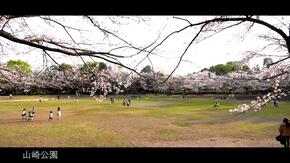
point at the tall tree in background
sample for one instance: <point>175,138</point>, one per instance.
<point>19,65</point>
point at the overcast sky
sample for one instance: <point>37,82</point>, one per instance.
<point>228,45</point>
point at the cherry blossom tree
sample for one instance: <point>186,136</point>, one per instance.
<point>111,46</point>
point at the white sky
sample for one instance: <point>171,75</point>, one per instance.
<point>221,48</point>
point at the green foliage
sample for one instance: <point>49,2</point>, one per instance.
<point>19,66</point>
<point>146,69</point>
<point>91,66</point>
<point>64,67</point>
<point>246,68</point>
<point>102,66</point>
<point>222,69</point>
<point>229,67</point>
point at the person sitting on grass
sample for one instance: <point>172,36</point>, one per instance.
<point>216,104</point>
<point>33,111</point>
<point>50,115</point>
<point>58,113</point>
<point>23,114</point>
<point>30,116</point>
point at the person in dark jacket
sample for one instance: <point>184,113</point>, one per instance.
<point>284,130</point>
<point>128,102</point>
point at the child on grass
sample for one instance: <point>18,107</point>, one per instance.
<point>58,113</point>
<point>23,114</point>
<point>50,115</point>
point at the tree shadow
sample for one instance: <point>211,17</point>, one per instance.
<point>18,121</point>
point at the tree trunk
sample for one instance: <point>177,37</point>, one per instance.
<point>247,91</point>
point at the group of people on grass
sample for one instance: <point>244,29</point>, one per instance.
<point>127,102</point>
<point>284,128</point>
<point>31,114</point>
<point>58,114</point>
<point>28,116</point>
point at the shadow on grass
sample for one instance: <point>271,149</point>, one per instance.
<point>20,121</point>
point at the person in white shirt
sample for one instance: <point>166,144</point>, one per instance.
<point>58,114</point>
<point>50,115</point>
<point>23,114</point>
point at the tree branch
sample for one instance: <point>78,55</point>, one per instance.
<point>281,60</point>
<point>271,77</point>
<point>180,59</point>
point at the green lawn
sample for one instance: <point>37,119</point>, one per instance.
<point>150,121</point>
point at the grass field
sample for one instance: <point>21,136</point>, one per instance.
<point>149,122</point>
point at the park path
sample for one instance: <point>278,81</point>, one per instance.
<point>151,105</point>
<point>22,100</point>
<point>216,142</point>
